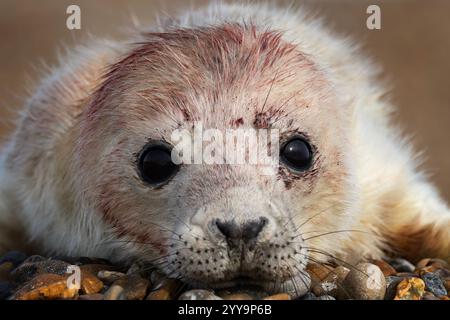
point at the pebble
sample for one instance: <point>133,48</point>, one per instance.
<point>391,287</point>
<point>407,275</point>
<point>326,297</point>
<point>365,282</point>
<point>433,283</point>
<point>15,257</point>
<point>447,284</point>
<point>167,289</point>
<point>135,287</point>
<point>96,268</point>
<point>278,296</point>
<point>29,269</point>
<point>443,273</point>
<point>37,277</point>
<point>318,272</point>
<point>309,296</point>
<point>410,289</point>
<point>425,270</point>
<point>110,276</point>
<point>90,284</point>
<point>238,296</point>
<point>140,268</point>
<point>429,296</point>
<point>199,294</point>
<point>422,263</point>
<point>436,263</point>
<point>385,267</point>
<point>5,271</point>
<point>332,283</point>
<point>6,289</point>
<point>45,286</point>
<point>402,265</point>
<point>113,292</point>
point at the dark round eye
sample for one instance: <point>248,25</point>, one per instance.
<point>155,164</point>
<point>296,154</point>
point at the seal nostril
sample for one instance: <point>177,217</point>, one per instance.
<point>247,232</point>
<point>252,229</point>
<point>226,228</point>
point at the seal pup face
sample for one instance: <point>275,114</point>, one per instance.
<point>219,224</point>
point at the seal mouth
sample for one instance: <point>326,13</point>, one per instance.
<point>240,282</point>
<point>295,286</point>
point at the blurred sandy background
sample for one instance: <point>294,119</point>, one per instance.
<point>413,46</point>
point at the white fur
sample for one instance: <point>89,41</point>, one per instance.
<point>388,190</point>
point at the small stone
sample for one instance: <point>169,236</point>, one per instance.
<point>238,296</point>
<point>309,296</point>
<point>95,296</point>
<point>156,277</point>
<point>365,282</point>
<point>433,283</point>
<point>410,289</point>
<point>5,271</point>
<point>407,275</point>
<point>279,296</point>
<point>422,263</point>
<point>199,294</point>
<point>96,268</point>
<point>391,287</point>
<point>439,263</point>
<point>429,296</point>
<point>6,289</point>
<point>113,292</point>
<point>135,268</point>
<point>331,284</point>
<point>425,270</point>
<point>15,257</point>
<point>444,298</point>
<point>110,276</point>
<point>385,267</point>
<point>135,287</point>
<point>28,270</point>
<point>402,265</point>
<point>45,286</point>
<point>142,269</point>
<point>166,289</point>
<point>318,272</point>
<point>90,284</point>
<point>447,284</point>
<point>443,273</point>
<point>326,297</point>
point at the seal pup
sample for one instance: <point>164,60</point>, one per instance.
<point>89,169</point>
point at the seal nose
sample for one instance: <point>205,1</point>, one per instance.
<point>247,232</point>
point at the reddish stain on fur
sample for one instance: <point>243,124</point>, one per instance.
<point>265,119</point>
<point>230,52</point>
<point>236,123</point>
<point>176,68</point>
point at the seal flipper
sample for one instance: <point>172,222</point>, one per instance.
<point>419,225</point>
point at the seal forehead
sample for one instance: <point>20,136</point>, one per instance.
<point>186,73</point>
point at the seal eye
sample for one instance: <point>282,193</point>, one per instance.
<point>155,164</point>
<point>296,154</point>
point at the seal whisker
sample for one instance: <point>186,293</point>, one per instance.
<point>332,232</point>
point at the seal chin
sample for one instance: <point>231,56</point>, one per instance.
<point>296,286</point>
